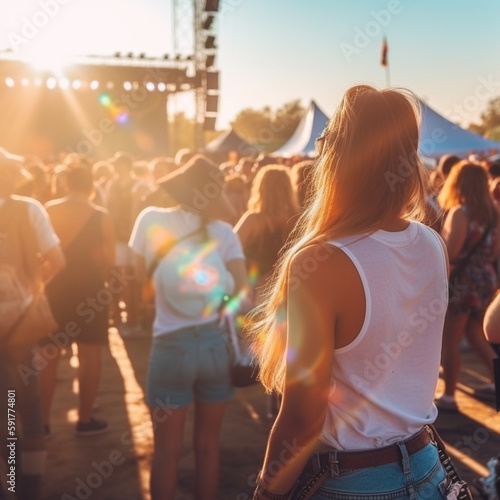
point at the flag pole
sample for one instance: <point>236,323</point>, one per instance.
<point>384,61</point>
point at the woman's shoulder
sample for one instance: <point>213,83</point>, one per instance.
<point>318,259</point>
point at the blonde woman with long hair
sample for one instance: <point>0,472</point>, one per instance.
<point>471,237</point>
<point>266,225</point>
<point>341,333</point>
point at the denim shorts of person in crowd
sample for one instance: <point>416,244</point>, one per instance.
<point>190,362</point>
<point>416,477</point>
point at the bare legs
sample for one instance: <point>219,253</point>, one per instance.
<point>455,326</point>
<point>208,422</point>
<point>168,438</point>
<point>89,372</point>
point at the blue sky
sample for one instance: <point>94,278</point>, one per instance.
<point>273,51</point>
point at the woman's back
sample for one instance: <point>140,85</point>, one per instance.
<point>386,376</point>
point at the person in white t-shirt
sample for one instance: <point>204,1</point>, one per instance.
<point>189,360</point>
<point>351,331</point>
<point>33,252</point>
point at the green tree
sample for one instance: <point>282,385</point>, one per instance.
<point>490,118</point>
<point>266,128</point>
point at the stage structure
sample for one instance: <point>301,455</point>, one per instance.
<point>97,105</point>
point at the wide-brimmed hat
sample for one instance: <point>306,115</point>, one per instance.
<point>198,186</point>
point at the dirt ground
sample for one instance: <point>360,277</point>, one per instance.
<point>116,465</point>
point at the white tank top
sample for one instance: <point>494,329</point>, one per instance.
<point>383,382</point>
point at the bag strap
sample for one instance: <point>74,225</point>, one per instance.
<point>464,261</point>
<point>166,248</point>
<point>463,491</point>
<point>233,337</point>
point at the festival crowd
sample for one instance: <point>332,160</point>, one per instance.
<point>185,247</point>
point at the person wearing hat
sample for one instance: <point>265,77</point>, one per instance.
<point>189,358</point>
<point>24,220</point>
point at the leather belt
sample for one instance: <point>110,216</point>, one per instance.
<point>371,458</point>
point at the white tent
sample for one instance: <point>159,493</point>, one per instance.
<point>308,130</point>
<point>438,136</point>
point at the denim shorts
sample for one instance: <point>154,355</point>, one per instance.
<point>416,477</point>
<point>191,361</point>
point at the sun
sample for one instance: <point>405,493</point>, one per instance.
<point>45,59</point>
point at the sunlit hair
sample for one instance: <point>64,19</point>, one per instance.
<point>368,172</point>
<point>468,185</point>
<point>272,193</point>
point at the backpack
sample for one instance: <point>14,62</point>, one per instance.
<point>191,276</point>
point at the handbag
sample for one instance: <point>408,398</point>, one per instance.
<point>34,322</point>
<point>243,371</point>
<point>457,488</point>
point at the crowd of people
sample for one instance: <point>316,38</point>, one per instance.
<point>176,246</point>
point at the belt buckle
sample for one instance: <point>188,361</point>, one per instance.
<point>333,462</point>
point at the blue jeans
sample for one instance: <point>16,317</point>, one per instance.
<point>187,363</point>
<point>416,477</point>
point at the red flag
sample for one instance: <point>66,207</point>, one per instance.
<point>383,56</point>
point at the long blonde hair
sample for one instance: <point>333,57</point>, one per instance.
<point>368,171</point>
<point>467,185</point>
<point>272,193</point>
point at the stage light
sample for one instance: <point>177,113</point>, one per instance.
<point>142,55</point>
<point>208,22</point>
<point>51,83</point>
<point>150,86</point>
<point>10,82</point>
<point>162,87</point>
<point>77,84</point>
<point>122,118</point>
<point>94,84</point>
<point>130,54</point>
<point>25,82</point>
<point>38,82</point>
<point>127,86</point>
<point>105,100</point>
<point>212,6</point>
<point>118,54</point>
<point>210,42</point>
<point>166,56</point>
<point>64,83</point>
